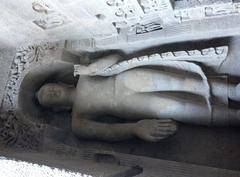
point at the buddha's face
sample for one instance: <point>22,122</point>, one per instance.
<point>53,95</point>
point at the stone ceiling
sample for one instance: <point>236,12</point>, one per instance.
<point>112,24</point>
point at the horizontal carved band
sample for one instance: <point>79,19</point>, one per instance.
<point>204,55</point>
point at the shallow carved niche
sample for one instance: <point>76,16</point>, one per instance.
<point>34,99</point>
<point>33,80</point>
<point>25,58</point>
<point>26,127</point>
<point>23,128</point>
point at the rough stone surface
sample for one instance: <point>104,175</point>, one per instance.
<point>184,152</point>
<point>116,23</point>
<point>134,28</point>
<point>6,58</point>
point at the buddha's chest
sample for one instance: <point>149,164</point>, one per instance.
<point>94,95</point>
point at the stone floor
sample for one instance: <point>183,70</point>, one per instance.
<point>215,147</point>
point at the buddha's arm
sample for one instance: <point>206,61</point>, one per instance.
<point>94,130</point>
<point>148,130</point>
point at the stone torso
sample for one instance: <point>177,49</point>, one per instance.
<point>104,95</point>
<point>108,95</point>
<point>94,95</point>
<point>134,93</point>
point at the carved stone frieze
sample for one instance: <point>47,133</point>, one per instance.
<point>81,20</point>
<point>207,11</point>
<point>24,58</point>
<point>140,29</point>
<point>50,17</point>
<point>150,6</point>
<point>209,56</point>
<point>124,8</point>
<point>19,133</point>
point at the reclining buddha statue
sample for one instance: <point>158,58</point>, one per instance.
<point>149,93</point>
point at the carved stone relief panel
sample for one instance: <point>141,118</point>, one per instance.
<point>154,26</point>
<point>219,10</point>
<point>207,11</point>
<point>25,58</point>
<point>108,21</point>
<point>51,17</point>
<point>125,9</point>
<point>151,6</point>
<point>127,13</point>
<point>151,15</point>
<point>195,3</point>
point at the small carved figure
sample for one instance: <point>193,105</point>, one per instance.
<point>149,98</point>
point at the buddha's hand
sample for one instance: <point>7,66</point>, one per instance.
<point>155,129</point>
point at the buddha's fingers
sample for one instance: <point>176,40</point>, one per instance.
<point>166,125</point>
<point>166,129</point>
<point>155,130</point>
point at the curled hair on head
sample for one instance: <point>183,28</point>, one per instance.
<point>39,95</point>
<point>54,99</point>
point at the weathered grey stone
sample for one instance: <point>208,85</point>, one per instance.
<point>6,58</point>
<point>108,24</point>
<point>134,28</point>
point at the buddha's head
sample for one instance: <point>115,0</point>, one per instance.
<point>55,96</point>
